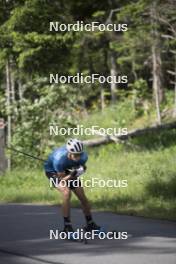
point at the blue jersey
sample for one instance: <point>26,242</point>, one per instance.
<point>58,161</point>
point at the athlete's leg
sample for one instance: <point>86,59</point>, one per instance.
<point>66,195</point>
<point>79,192</point>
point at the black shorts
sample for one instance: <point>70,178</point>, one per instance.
<point>72,184</point>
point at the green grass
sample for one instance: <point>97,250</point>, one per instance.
<point>151,177</point>
<point>149,169</point>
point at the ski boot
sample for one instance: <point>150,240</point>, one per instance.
<point>68,229</point>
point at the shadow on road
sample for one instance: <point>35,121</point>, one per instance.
<point>24,233</point>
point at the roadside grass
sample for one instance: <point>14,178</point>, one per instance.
<point>148,165</point>
<point>151,177</point>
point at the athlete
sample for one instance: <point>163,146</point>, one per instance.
<point>64,166</point>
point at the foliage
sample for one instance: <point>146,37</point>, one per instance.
<point>34,52</point>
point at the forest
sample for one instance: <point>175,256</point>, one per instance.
<point>38,54</point>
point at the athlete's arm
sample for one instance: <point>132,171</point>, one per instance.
<point>60,170</point>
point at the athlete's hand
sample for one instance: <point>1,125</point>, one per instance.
<point>76,172</point>
<point>79,171</point>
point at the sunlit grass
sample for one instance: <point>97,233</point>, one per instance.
<point>151,177</point>
<point>150,170</point>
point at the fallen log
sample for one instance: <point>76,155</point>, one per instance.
<point>131,134</point>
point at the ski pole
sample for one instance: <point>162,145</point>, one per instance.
<point>26,154</point>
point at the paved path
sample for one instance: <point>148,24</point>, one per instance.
<point>24,238</point>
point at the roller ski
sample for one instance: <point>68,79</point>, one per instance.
<point>74,236</point>
<point>94,229</point>
<point>92,226</point>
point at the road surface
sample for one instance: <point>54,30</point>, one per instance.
<point>24,238</point>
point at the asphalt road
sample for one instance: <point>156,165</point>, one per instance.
<point>24,238</point>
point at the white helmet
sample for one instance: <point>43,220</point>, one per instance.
<point>74,146</point>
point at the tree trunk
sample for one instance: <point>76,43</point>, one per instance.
<point>8,104</point>
<point>102,98</point>
<point>103,86</point>
<point>12,85</point>
<point>20,94</point>
<point>113,72</point>
<point>174,112</point>
<point>133,69</point>
<point>131,134</point>
<point>3,163</point>
<point>156,83</point>
<point>158,93</point>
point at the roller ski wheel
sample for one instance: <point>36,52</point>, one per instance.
<point>93,226</point>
